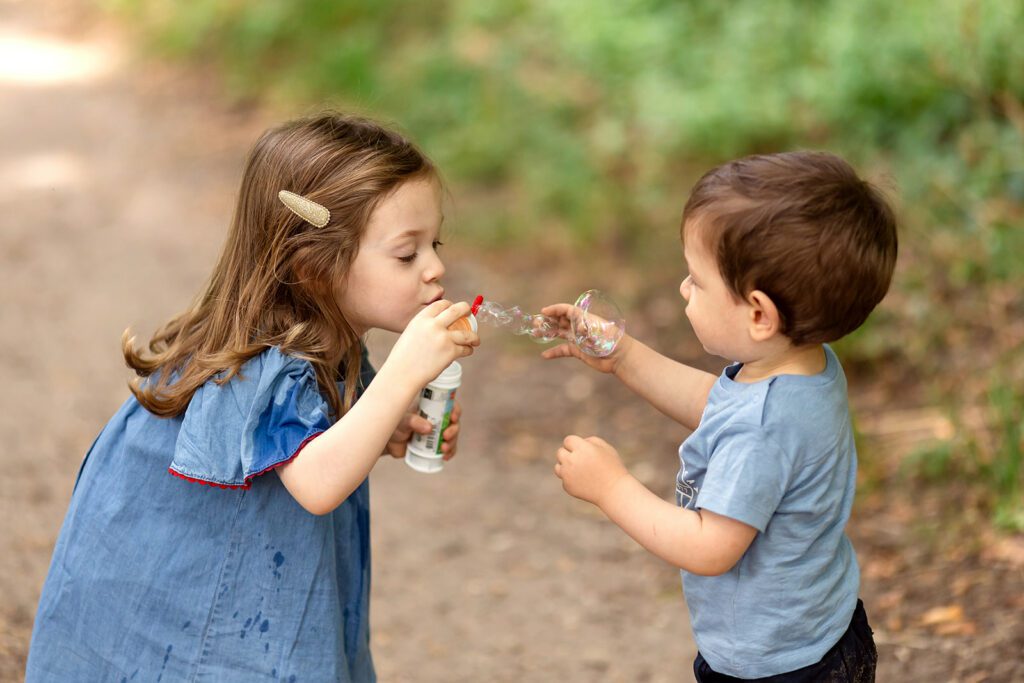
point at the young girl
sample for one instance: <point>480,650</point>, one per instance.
<point>182,556</point>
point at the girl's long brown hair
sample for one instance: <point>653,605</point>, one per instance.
<point>275,281</point>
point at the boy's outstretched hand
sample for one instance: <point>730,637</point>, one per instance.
<point>564,314</point>
<point>589,468</point>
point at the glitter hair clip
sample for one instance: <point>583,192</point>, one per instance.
<point>306,209</point>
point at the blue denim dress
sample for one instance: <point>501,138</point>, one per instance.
<point>177,561</point>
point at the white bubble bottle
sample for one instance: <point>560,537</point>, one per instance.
<point>437,399</point>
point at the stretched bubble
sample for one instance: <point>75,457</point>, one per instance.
<point>595,325</point>
<point>541,328</point>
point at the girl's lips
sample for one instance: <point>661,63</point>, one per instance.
<point>436,298</point>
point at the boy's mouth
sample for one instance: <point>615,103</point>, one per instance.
<point>436,298</point>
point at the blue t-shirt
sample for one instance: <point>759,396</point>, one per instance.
<point>778,455</point>
<point>177,561</point>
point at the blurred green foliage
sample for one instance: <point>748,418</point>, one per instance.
<point>589,120</point>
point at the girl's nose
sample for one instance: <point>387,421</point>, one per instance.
<point>434,269</point>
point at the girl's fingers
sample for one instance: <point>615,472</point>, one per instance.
<point>452,313</point>
<point>434,309</point>
<point>464,338</point>
<point>412,423</point>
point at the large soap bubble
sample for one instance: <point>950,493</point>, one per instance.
<point>596,324</point>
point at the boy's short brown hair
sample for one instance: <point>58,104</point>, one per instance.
<point>803,228</point>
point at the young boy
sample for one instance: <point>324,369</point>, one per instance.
<point>785,253</point>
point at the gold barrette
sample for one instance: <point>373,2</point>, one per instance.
<point>306,209</point>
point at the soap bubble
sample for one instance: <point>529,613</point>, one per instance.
<point>541,328</point>
<point>596,323</point>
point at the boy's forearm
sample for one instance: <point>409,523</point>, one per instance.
<point>676,535</point>
<point>676,389</point>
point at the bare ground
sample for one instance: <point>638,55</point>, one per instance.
<point>117,181</point>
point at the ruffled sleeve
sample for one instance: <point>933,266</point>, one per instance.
<point>257,421</point>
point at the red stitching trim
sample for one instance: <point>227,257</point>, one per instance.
<point>248,480</point>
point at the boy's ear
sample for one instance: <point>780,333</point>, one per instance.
<point>764,316</point>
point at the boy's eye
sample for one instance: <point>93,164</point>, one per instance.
<point>436,244</point>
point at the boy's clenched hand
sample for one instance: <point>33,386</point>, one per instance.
<point>589,468</point>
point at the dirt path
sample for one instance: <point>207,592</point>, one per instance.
<point>116,181</point>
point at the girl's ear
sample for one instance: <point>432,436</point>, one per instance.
<point>764,316</point>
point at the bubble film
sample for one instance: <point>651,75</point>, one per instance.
<point>541,328</point>
<point>596,324</point>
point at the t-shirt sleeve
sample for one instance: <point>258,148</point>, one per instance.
<point>747,476</point>
<point>258,420</point>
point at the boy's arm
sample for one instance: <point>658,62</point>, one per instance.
<point>699,542</point>
<point>676,389</point>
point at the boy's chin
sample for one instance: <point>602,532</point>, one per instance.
<point>718,353</point>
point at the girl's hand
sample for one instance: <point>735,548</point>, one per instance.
<point>564,314</point>
<point>411,423</point>
<point>589,468</point>
<point>427,346</point>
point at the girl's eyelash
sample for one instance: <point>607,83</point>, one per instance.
<point>412,257</point>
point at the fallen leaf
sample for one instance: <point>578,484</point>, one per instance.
<point>942,615</point>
